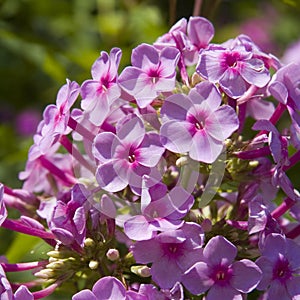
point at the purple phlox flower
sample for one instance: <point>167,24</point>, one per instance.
<point>6,293</point>
<point>68,219</point>
<point>196,123</point>
<point>200,32</point>
<point>3,211</point>
<point>160,211</point>
<point>152,72</point>
<point>108,288</point>
<point>280,264</point>
<point>279,150</point>
<point>218,273</point>
<point>171,253</point>
<point>99,93</point>
<point>126,156</point>
<point>234,67</point>
<point>188,37</point>
<point>285,87</point>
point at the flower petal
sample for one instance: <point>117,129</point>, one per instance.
<point>112,176</point>
<point>205,148</point>
<point>175,136</point>
<point>246,275</point>
<point>219,250</point>
<point>197,279</point>
<point>222,123</point>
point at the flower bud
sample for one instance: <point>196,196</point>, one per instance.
<point>142,271</point>
<point>93,264</point>
<point>113,254</point>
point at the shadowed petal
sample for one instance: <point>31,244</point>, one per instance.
<point>246,275</point>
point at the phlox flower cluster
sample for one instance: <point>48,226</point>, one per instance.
<point>169,179</point>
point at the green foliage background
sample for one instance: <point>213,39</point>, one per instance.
<point>43,42</point>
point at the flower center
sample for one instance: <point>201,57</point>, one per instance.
<point>220,275</point>
<point>131,158</point>
<point>199,125</point>
<point>231,59</point>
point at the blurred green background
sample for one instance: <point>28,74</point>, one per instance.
<point>43,42</point>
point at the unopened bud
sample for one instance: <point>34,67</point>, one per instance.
<point>45,274</point>
<point>88,242</point>
<point>142,271</point>
<point>93,264</point>
<point>113,254</point>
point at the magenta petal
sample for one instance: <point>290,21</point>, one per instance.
<point>84,295</point>
<point>205,148</point>
<point>145,56</point>
<point>131,131</point>
<point>232,83</point>
<point>104,146</point>
<point>112,176</point>
<point>219,250</point>
<point>176,107</point>
<point>279,91</point>
<point>255,72</point>
<point>197,279</point>
<point>274,244</point>
<point>165,273</point>
<point>153,252</point>
<point>137,228</point>
<point>206,92</point>
<point>200,31</point>
<point>246,275</point>
<point>209,66</point>
<point>224,293</point>
<point>109,288</point>
<point>175,136</point>
<point>169,57</point>
<point>22,293</point>
<point>222,123</point>
<point>135,82</point>
<point>150,150</point>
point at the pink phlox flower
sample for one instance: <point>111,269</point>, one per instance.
<point>56,116</point>
<point>160,210</point>
<point>188,37</point>
<point>126,156</point>
<point>108,287</point>
<point>68,218</point>
<point>171,253</point>
<point>152,72</point>
<point>99,93</point>
<point>218,273</point>
<point>196,123</point>
<point>234,68</point>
